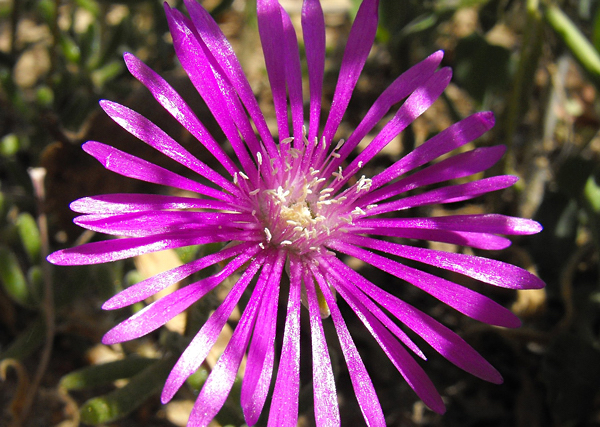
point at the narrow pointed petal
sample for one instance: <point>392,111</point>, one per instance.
<point>464,300</point>
<point>406,365</point>
<point>327,412</point>
<point>449,139</point>
<point>293,77</point>
<point>448,194</point>
<point>128,202</point>
<point>194,61</point>
<point>479,223</point>
<point>259,369</point>
<point>359,43</point>
<point>140,224</point>
<point>284,404</point>
<point>270,28</point>
<point>116,249</point>
<point>361,381</point>
<point>455,167</point>
<point>133,167</point>
<point>486,270</point>
<point>171,101</point>
<point>159,312</point>
<point>402,87</point>
<point>148,132</point>
<point>484,241</point>
<point>219,382</point>
<point>217,44</point>
<point>313,30</point>
<point>334,269</point>
<point>196,352</point>
<point>442,339</point>
<point>416,104</point>
<point>146,288</point>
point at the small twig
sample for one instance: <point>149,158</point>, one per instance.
<point>566,285</point>
<point>37,178</point>
<point>16,404</point>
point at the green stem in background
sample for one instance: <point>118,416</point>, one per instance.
<point>581,48</point>
<point>591,204</point>
<point>124,400</point>
<point>531,49</point>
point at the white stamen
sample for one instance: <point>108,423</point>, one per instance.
<point>358,211</point>
<point>259,159</point>
<point>268,235</point>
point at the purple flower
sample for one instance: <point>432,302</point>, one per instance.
<point>290,206</point>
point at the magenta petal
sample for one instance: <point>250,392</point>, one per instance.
<point>484,241</point>
<point>480,223</point>
<point>218,45</point>
<point>128,202</point>
<point>361,381</point>
<point>327,412</point>
<point>442,339</point>
<point>116,249</point>
<point>486,270</point>
<point>406,365</point>
<point>218,385</point>
<point>293,77</point>
<point>458,297</point>
<point>194,61</point>
<point>270,28</point>
<point>140,224</point>
<point>448,194</point>
<point>133,167</point>
<point>449,139</point>
<point>284,405</point>
<point>146,288</point>
<point>359,43</point>
<point>313,30</point>
<point>455,167</point>
<point>416,104</point>
<point>219,92</point>
<point>171,101</point>
<point>145,130</point>
<point>196,352</point>
<point>259,369</point>
<point>219,382</point>
<point>336,273</point>
<point>402,87</point>
<point>159,312</point>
